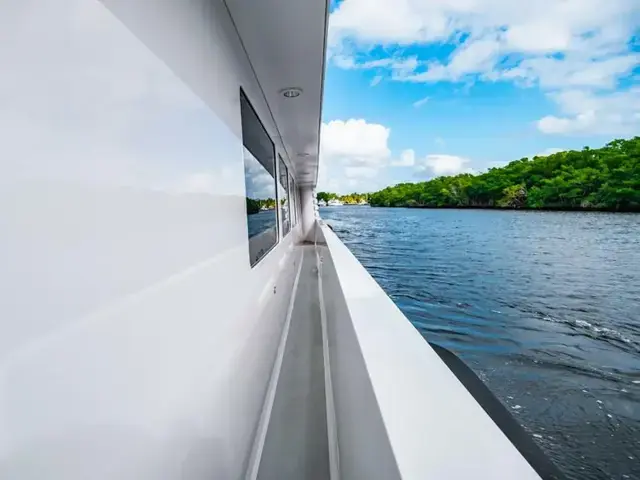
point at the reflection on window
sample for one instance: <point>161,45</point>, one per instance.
<point>293,202</point>
<point>259,176</point>
<point>283,196</point>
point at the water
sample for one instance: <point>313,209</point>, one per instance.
<point>544,306</point>
<point>261,221</point>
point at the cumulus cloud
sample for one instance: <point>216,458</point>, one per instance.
<point>354,142</point>
<point>351,151</point>
<point>584,113</point>
<point>355,173</point>
<point>259,182</point>
<point>407,159</point>
<point>355,156</point>
<point>439,164</point>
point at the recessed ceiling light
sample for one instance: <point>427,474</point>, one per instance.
<point>291,92</point>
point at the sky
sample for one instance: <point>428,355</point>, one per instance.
<point>415,89</point>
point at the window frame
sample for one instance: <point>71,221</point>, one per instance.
<point>281,163</point>
<point>243,95</point>
<point>293,201</point>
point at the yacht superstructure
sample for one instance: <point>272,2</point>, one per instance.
<point>173,306</point>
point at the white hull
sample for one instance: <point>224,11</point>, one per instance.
<point>136,340</point>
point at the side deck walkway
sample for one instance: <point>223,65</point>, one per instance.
<point>296,445</point>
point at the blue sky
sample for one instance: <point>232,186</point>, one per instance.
<point>420,88</point>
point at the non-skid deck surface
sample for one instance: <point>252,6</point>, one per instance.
<point>296,444</point>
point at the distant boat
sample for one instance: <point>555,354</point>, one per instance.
<point>322,203</point>
<point>334,203</point>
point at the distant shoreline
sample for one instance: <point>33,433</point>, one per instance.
<point>604,179</point>
<point>523,209</point>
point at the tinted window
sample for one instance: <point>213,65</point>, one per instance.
<point>283,196</point>
<point>259,175</point>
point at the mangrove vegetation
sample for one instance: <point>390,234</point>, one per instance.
<point>606,178</point>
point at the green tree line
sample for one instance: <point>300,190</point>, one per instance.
<point>255,205</point>
<point>349,199</point>
<point>606,178</point>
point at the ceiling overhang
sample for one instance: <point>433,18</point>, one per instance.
<point>286,44</point>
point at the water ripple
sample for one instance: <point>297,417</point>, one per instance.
<point>543,305</point>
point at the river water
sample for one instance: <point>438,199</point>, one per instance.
<point>544,306</point>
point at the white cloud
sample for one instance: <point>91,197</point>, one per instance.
<point>399,66</point>
<point>440,164</point>
<point>582,122</point>
<point>404,67</point>
<point>556,45</point>
<point>539,36</point>
<point>354,143</point>
<point>531,27</point>
<point>355,156</point>
<point>259,182</point>
<point>407,159</point>
<point>471,58</point>
<point>349,63</point>
<point>379,22</point>
<point>551,73</point>
<point>375,80</point>
<point>585,113</point>
<point>355,173</point>
<point>351,152</point>
<point>419,103</point>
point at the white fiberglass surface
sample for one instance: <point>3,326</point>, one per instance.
<point>135,340</point>
<point>108,162</point>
